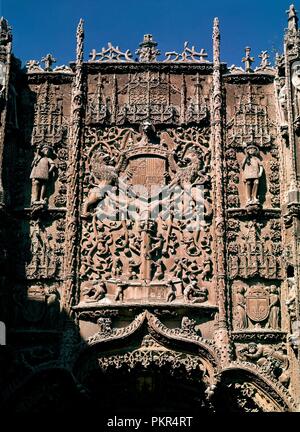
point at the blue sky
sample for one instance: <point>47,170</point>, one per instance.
<point>46,26</point>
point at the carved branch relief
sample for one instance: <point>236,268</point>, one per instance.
<point>159,249</point>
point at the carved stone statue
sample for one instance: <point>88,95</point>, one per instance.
<point>171,291</point>
<point>189,290</point>
<point>252,170</point>
<point>121,286</point>
<point>240,308</point>
<point>274,308</point>
<point>282,100</point>
<point>42,167</point>
<point>296,84</point>
<point>291,298</point>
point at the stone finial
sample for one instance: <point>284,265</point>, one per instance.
<point>48,60</point>
<point>5,31</point>
<point>264,56</point>
<point>248,60</point>
<point>147,51</point>
<point>292,18</point>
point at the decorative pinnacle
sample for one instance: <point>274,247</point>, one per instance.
<point>264,56</point>
<point>147,51</point>
<point>80,27</point>
<point>79,41</point>
<point>48,60</point>
<point>248,60</point>
<point>5,31</point>
<point>292,18</point>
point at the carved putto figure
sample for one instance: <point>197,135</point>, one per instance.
<point>273,360</point>
<point>253,170</point>
<point>192,293</point>
<point>94,292</point>
<point>42,167</point>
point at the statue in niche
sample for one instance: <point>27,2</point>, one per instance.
<point>274,308</point>
<point>291,298</point>
<point>253,170</point>
<point>42,167</point>
<point>296,84</point>
<point>94,292</point>
<point>240,308</point>
<point>282,99</point>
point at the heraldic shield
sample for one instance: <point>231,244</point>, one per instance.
<point>148,167</point>
<point>257,304</point>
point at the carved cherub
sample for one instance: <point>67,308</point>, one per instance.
<point>121,286</point>
<point>94,292</point>
<point>189,290</point>
<point>171,293</point>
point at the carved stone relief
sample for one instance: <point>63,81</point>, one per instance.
<point>254,249</point>
<point>272,359</point>
<point>256,306</point>
<point>252,154</point>
<point>161,97</point>
<point>132,245</point>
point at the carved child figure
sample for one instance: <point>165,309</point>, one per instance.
<point>95,292</point>
<point>42,167</point>
<point>253,169</point>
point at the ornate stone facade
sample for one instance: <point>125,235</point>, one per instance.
<point>150,223</point>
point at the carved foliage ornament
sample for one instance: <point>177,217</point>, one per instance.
<point>148,53</point>
<point>129,242</point>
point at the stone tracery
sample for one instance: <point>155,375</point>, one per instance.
<point>164,201</point>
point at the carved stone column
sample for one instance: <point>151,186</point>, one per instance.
<point>291,167</point>
<point>5,64</point>
<point>221,334</point>
<point>73,193</point>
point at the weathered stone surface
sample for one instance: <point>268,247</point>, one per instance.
<point>150,222</point>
